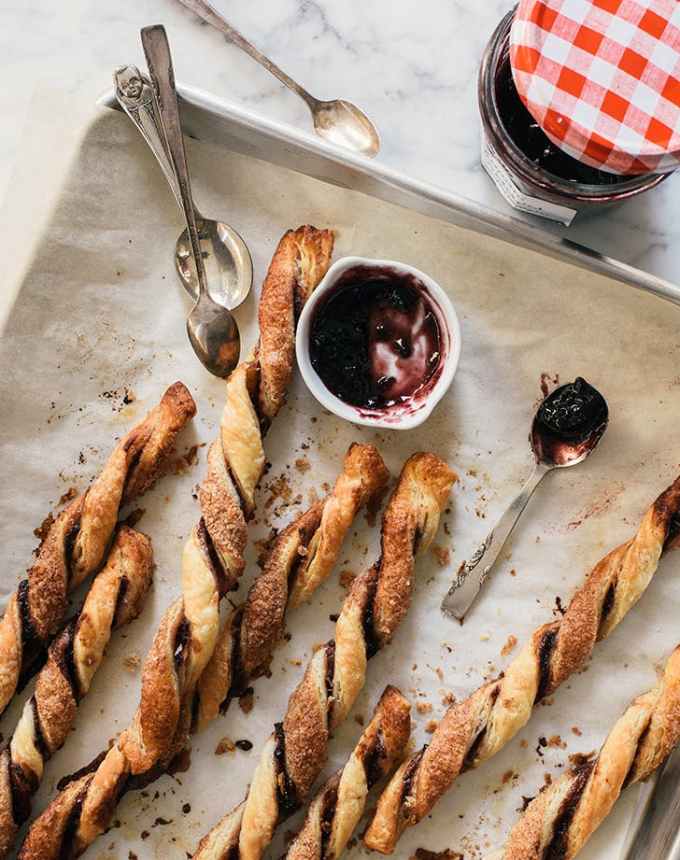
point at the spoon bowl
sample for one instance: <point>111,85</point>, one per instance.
<point>568,425</point>
<point>214,336</point>
<point>344,124</point>
<point>227,261</point>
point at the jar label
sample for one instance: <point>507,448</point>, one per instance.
<point>517,198</point>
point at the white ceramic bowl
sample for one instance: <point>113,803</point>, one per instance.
<point>402,416</point>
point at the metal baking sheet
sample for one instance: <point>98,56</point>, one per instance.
<point>98,312</point>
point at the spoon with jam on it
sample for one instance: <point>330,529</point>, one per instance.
<point>567,427</point>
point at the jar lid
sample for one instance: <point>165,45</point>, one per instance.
<point>602,79</point>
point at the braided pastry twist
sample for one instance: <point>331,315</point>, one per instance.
<point>115,598</point>
<point>338,806</point>
<point>475,729</point>
<point>296,752</point>
<point>560,820</point>
<point>300,559</point>
<point>212,561</point>
<point>78,540</point>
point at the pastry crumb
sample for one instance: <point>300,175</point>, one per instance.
<point>347,577</point>
<point>556,742</point>
<point>431,726</point>
<point>132,662</point>
<point>576,731</point>
<point>509,645</point>
<point>448,699</point>
<point>442,554</point>
<point>303,465</point>
<point>446,854</point>
<point>225,745</point>
<point>71,493</point>
<point>424,708</point>
<point>507,776</point>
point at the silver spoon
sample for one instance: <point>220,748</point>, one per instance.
<point>225,254</point>
<point>337,121</point>
<point>566,429</point>
<point>211,328</point>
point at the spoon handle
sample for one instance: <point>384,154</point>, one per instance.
<point>135,96</point>
<point>211,16</point>
<point>159,61</point>
<point>473,573</point>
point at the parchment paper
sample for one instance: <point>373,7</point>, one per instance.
<point>100,313</point>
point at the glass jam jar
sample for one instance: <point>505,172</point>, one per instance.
<point>531,173</point>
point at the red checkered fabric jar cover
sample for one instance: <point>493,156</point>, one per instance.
<point>602,79</point>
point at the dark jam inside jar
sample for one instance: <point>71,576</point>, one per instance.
<point>573,411</point>
<point>375,339</point>
<point>530,138</point>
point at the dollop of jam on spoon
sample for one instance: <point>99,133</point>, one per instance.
<point>569,423</point>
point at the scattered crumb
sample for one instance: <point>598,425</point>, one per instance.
<point>524,743</point>
<point>71,493</point>
<point>547,778</point>
<point>299,662</point>
<point>507,776</point>
<point>244,745</point>
<point>513,572</point>
<point>576,731</point>
<point>509,645</point>
<point>246,700</point>
<point>448,699</point>
<point>446,854</point>
<point>556,742</point>
<point>278,489</point>
<point>347,577</point>
<point>181,465</point>
<point>358,718</point>
<point>303,465</point>
<point>132,662</point>
<point>484,637</point>
<point>225,745</point>
<point>525,802</point>
<point>186,808</point>
<point>439,673</point>
<point>43,529</point>
<point>424,708</point>
<point>431,726</point>
<point>442,554</point>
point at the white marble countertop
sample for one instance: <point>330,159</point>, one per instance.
<point>411,65</point>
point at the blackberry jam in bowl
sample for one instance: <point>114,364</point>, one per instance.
<point>378,343</point>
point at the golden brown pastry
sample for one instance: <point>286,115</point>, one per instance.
<point>212,561</point>
<point>78,540</point>
<point>561,819</point>
<point>338,806</point>
<point>115,598</point>
<point>299,560</point>
<point>475,729</point>
<point>296,752</point>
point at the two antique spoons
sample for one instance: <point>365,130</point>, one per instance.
<point>211,258</point>
<point>567,427</point>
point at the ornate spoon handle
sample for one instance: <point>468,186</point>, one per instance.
<point>135,96</point>
<point>473,573</point>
